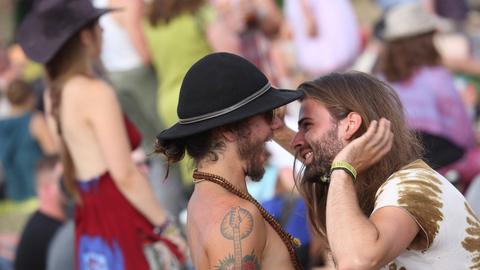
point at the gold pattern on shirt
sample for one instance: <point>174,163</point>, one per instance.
<point>420,194</point>
<point>472,242</point>
<point>417,165</point>
<point>393,266</point>
<point>422,199</point>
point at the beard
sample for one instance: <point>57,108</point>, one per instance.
<point>324,151</point>
<point>252,152</point>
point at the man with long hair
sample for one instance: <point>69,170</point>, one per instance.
<point>369,193</point>
<point>226,115</point>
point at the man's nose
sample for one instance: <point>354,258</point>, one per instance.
<point>297,141</point>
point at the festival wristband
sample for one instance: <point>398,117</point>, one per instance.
<point>345,166</point>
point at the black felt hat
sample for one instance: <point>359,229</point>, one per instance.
<point>49,25</point>
<point>223,88</point>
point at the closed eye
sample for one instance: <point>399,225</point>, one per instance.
<point>304,126</point>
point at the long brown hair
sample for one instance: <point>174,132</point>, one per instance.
<point>165,10</point>
<point>71,60</point>
<point>371,99</point>
<point>402,57</point>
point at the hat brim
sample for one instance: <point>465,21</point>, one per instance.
<point>40,48</point>
<point>272,99</point>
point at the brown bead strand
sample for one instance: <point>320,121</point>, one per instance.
<point>289,240</point>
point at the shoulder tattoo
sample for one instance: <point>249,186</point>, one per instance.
<point>237,225</point>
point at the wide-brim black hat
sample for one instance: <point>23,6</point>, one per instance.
<point>223,88</point>
<point>51,23</point>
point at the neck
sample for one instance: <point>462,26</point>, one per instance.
<point>228,167</point>
<point>51,209</point>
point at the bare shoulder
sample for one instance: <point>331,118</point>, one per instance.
<point>87,91</point>
<point>85,88</point>
<point>237,236</point>
<point>244,215</point>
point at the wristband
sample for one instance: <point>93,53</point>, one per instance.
<point>345,166</point>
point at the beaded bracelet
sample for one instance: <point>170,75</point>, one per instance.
<point>160,229</point>
<point>345,166</point>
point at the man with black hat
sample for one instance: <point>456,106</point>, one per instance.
<point>226,112</point>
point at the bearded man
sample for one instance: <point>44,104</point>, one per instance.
<point>226,115</point>
<point>370,196</point>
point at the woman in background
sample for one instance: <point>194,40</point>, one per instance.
<point>412,65</point>
<point>117,213</point>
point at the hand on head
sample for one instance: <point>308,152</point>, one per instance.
<point>369,148</point>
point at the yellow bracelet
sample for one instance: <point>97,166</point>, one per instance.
<point>345,166</point>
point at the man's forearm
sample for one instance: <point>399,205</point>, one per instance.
<point>350,233</point>
<point>283,137</point>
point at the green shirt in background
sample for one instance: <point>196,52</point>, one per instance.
<point>175,47</point>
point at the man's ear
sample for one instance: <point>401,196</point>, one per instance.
<point>227,135</point>
<point>86,37</point>
<point>350,125</point>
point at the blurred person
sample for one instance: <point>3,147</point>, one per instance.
<point>25,139</point>
<point>61,253</point>
<point>179,32</point>
<point>41,227</point>
<point>325,33</point>
<point>254,25</point>
<point>126,57</point>
<point>411,63</point>
<point>454,10</point>
<point>117,216</point>
<point>226,115</point>
<point>7,74</point>
<point>369,194</point>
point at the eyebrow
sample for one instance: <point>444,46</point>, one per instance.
<point>303,120</point>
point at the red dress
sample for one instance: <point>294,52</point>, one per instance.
<point>109,232</point>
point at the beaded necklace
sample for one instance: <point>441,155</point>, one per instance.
<point>289,241</point>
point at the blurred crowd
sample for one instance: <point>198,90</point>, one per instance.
<point>432,61</point>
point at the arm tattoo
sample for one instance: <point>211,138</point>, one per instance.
<point>236,225</point>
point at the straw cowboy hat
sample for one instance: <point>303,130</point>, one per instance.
<point>51,23</point>
<point>223,88</point>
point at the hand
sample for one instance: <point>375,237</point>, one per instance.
<point>180,242</point>
<point>369,148</point>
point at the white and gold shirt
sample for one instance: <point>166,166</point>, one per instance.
<point>446,221</point>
